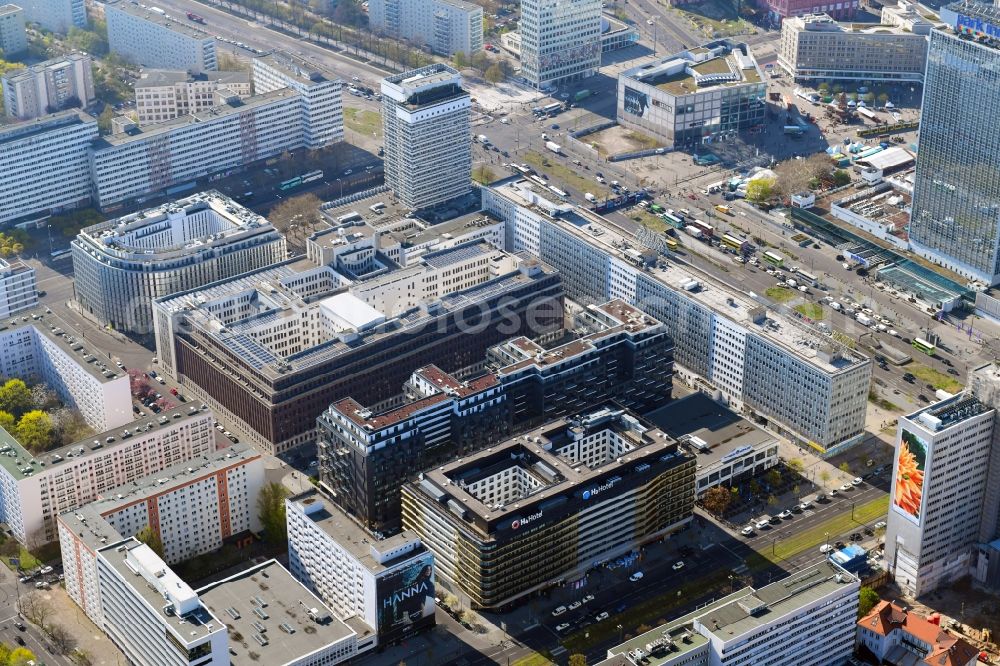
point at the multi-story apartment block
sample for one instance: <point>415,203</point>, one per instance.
<point>943,455</point>
<point>121,265</point>
<point>13,35</point>
<point>56,15</point>
<point>806,619</point>
<point>560,41</point>
<point>426,123</point>
<point>954,220</point>
<point>49,86</point>
<point>815,47</point>
<point>45,165</point>
<point>36,348</point>
<point>892,632</point>
<point>18,288</point>
<point>38,487</point>
<point>552,502</point>
<point>319,91</point>
<point>193,507</point>
<point>763,362</point>
<point>386,583</point>
<point>447,26</point>
<point>366,455</point>
<point>141,161</point>
<point>148,37</point>
<point>164,95</point>
<point>714,90</point>
<point>271,350</point>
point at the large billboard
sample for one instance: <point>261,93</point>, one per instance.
<point>635,102</point>
<point>405,598</point>
<point>911,464</point>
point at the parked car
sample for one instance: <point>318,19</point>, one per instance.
<point>637,576</point>
<point>747,531</point>
<point>576,604</point>
<point>880,525</point>
<point>857,481</point>
<point>558,611</point>
<point>785,515</point>
<point>825,548</point>
<point>45,570</point>
<point>678,565</point>
<point>562,627</point>
<point>600,617</point>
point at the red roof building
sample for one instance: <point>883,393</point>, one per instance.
<point>901,638</point>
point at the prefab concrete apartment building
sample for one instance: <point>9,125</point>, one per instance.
<point>147,36</point>
<point>446,26</point>
<point>764,363</point>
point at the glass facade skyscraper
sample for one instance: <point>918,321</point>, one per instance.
<point>955,219</point>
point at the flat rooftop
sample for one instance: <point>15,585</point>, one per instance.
<point>174,476</point>
<point>296,622</point>
<point>949,412</point>
<point>216,112</point>
<point>716,64</point>
<point>535,453</point>
<point>22,459</point>
<point>352,537</point>
<point>192,626</point>
<point>303,70</point>
<point>988,14</point>
<point>155,78</point>
<point>771,602</point>
<point>159,18</point>
<point>25,129</point>
<point>712,431</point>
<point>176,228</point>
<point>748,309</point>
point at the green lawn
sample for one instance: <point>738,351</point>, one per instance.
<point>780,294</point>
<point>648,220</point>
<point>811,310</point>
<point>816,536</point>
<point>363,121</point>
<point>556,168</point>
<point>27,560</point>
<point>532,660</point>
<point>939,380</point>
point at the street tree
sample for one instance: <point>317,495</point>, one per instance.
<point>760,190</point>
<point>494,74</point>
<point>271,509</point>
<point>36,608</point>
<point>62,640</point>
<point>716,500</point>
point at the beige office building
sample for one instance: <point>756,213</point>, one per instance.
<point>164,94</point>
<point>815,47</point>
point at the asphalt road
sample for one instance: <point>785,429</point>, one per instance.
<point>222,23</point>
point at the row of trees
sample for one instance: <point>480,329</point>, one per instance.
<point>39,611</point>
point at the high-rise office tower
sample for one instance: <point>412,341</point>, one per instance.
<point>939,484</point>
<point>426,122</point>
<point>560,40</point>
<point>955,219</point>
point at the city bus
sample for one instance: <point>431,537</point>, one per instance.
<point>61,254</point>
<point>290,183</point>
<point>657,209</point>
<point>312,176</point>
<point>673,220</point>
<point>923,346</point>
<point>554,107</point>
<point>725,210</point>
<point>808,277</point>
<point>672,244</point>
<point>559,193</point>
<point>775,260</point>
<point>733,242</point>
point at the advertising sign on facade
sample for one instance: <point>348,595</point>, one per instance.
<point>635,102</point>
<point>911,464</point>
<point>405,598</point>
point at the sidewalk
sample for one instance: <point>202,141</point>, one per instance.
<point>89,638</point>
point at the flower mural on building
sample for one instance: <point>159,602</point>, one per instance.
<point>910,465</point>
